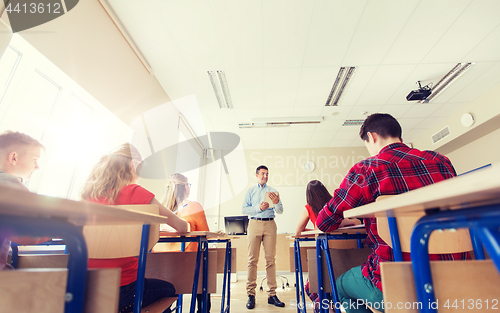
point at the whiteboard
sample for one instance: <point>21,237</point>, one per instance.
<point>293,199</point>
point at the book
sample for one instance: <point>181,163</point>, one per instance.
<point>268,200</point>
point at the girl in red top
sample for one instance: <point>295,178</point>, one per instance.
<point>113,180</point>
<point>176,194</point>
<point>316,196</point>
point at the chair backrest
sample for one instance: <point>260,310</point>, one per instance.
<point>115,241</point>
<point>446,241</point>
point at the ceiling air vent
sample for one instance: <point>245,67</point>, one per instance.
<point>440,135</point>
<point>353,122</point>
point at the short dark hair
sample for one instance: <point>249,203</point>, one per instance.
<point>317,196</point>
<point>385,125</point>
<point>262,167</point>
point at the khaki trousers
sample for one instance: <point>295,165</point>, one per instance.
<point>265,232</point>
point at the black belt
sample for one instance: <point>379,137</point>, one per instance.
<point>262,219</point>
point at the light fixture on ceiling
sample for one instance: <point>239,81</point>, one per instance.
<point>450,77</point>
<point>343,77</point>
<point>221,89</point>
<point>280,121</point>
<point>353,122</point>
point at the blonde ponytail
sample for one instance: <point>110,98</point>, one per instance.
<point>175,191</point>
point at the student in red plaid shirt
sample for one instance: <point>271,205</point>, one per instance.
<point>394,168</point>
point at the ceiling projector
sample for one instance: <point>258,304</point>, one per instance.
<point>421,94</point>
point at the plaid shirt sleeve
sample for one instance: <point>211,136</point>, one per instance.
<point>354,191</point>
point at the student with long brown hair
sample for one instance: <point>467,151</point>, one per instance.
<point>176,194</point>
<point>113,180</point>
<point>316,197</point>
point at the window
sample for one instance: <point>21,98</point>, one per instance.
<point>37,98</point>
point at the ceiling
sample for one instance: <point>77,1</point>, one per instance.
<point>281,57</point>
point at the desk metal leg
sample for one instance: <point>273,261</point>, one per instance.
<point>227,279</point>
<point>179,297</point>
<point>202,249</point>
<point>204,303</point>
<point>396,244</point>
<point>477,245</point>
<point>141,271</point>
<point>15,254</point>
<point>491,239</point>
<point>299,282</point>
<point>321,291</point>
<point>77,248</point>
<point>484,220</point>
<point>331,275</point>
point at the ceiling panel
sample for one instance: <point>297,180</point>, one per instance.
<point>298,128</point>
<point>238,25</point>
<point>329,126</point>
<point>278,112</point>
<point>323,135</point>
<point>471,27</point>
<point>280,87</point>
<point>423,30</point>
<point>286,28</point>
<point>189,26</point>
<point>396,110</point>
<point>302,136</point>
<point>488,49</point>
<point>270,131</point>
<point>386,79</point>
<point>358,83</point>
<point>246,88</point>
<point>308,111</point>
<point>360,112</point>
<point>409,123</point>
<point>246,115</point>
<point>347,133</point>
<point>377,30</point>
<point>334,113</point>
<point>281,58</point>
<point>331,30</point>
<point>421,110</point>
<point>426,74</point>
<point>479,86</point>
<point>315,85</point>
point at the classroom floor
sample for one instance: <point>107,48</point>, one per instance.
<point>239,296</point>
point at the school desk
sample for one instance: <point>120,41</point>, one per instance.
<point>28,214</point>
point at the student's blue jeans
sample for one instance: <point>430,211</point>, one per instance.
<point>354,289</point>
<point>154,289</point>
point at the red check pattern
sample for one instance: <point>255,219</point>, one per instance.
<point>396,169</point>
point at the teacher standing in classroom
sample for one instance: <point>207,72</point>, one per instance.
<point>262,228</point>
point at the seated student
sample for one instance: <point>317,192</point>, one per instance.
<point>176,194</point>
<point>394,168</point>
<point>316,196</point>
<point>113,180</point>
<point>19,155</point>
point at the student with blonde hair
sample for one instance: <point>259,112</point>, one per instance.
<point>19,155</point>
<point>113,180</point>
<point>176,194</point>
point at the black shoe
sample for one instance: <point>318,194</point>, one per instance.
<point>251,302</point>
<point>275,301</point>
